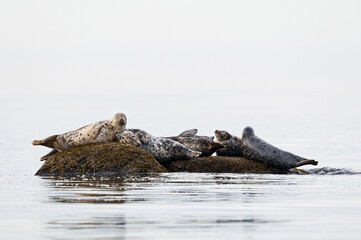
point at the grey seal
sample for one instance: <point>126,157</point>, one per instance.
<point>163,149</point>
<point>254,148</point>
<point>232,144</point>
<point>101,131</point>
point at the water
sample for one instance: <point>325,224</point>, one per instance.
<point>323,205</point>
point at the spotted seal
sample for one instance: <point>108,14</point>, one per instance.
<point>163,149</point>
<point>231,143</point>
<point>254,148</point>
<point>101,131</point>
<point>127,137</point>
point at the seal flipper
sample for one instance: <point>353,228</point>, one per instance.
<point>188,133</point>
<point>96,131</point>
<point>52,152</point>
<point>306,161</point>
<point>47,142</point>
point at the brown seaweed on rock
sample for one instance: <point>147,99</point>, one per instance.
<point>101,159</point>
<point>222,164</point>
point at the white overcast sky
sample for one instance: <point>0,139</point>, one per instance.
<point>281,52</point>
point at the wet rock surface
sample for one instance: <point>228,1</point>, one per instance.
<point>101,159</point>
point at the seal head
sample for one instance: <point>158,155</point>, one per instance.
<point>119,120</point>
<point>127,137</point>
<point>231,143</point>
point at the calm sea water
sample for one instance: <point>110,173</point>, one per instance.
<point>323,205</point>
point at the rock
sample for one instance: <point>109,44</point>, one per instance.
<point>101,159</point>
<point>221,164</point>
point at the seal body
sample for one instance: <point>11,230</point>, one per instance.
<point>232,144</point>
<point>101,131</point>
<point>254,148</point>
<point>204,145</point>
<point>163,149</point>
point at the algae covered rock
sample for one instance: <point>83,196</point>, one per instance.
<point>101,159</point>
<point>221,164</point>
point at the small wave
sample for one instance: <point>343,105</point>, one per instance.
<point>332,171</point>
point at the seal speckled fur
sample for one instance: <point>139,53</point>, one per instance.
<point>101,131</point>
<point>163,149</point>
<point>127,137</point>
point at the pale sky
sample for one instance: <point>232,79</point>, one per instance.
<point>286,53</point>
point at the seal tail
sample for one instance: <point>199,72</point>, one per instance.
<point>47,142</point>
<point>306,161</point>
<point>52,152</point>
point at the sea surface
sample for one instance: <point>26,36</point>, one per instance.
<point>325,204</point>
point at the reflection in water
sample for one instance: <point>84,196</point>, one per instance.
<point>144,206</point>
<point>93,223</point>
<point>184,205</point>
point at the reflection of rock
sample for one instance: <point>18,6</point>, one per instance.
<point>101,159</point>
<point>221,164</point>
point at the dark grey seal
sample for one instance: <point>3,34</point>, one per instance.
<point>254,148</point>
<point>163,149</point>
<point>232,144</point>
<point>204,145</point>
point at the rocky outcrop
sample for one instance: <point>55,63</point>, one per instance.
<point>123,160</point>
<point>101,159</point>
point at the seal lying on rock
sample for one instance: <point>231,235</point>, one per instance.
<point>232,144</point>
<point>256,149</point>
<point>204,145</point>
<point>163,149</point>
<point>101,131</point>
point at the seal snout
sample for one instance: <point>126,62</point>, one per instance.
<point>122,121</point>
